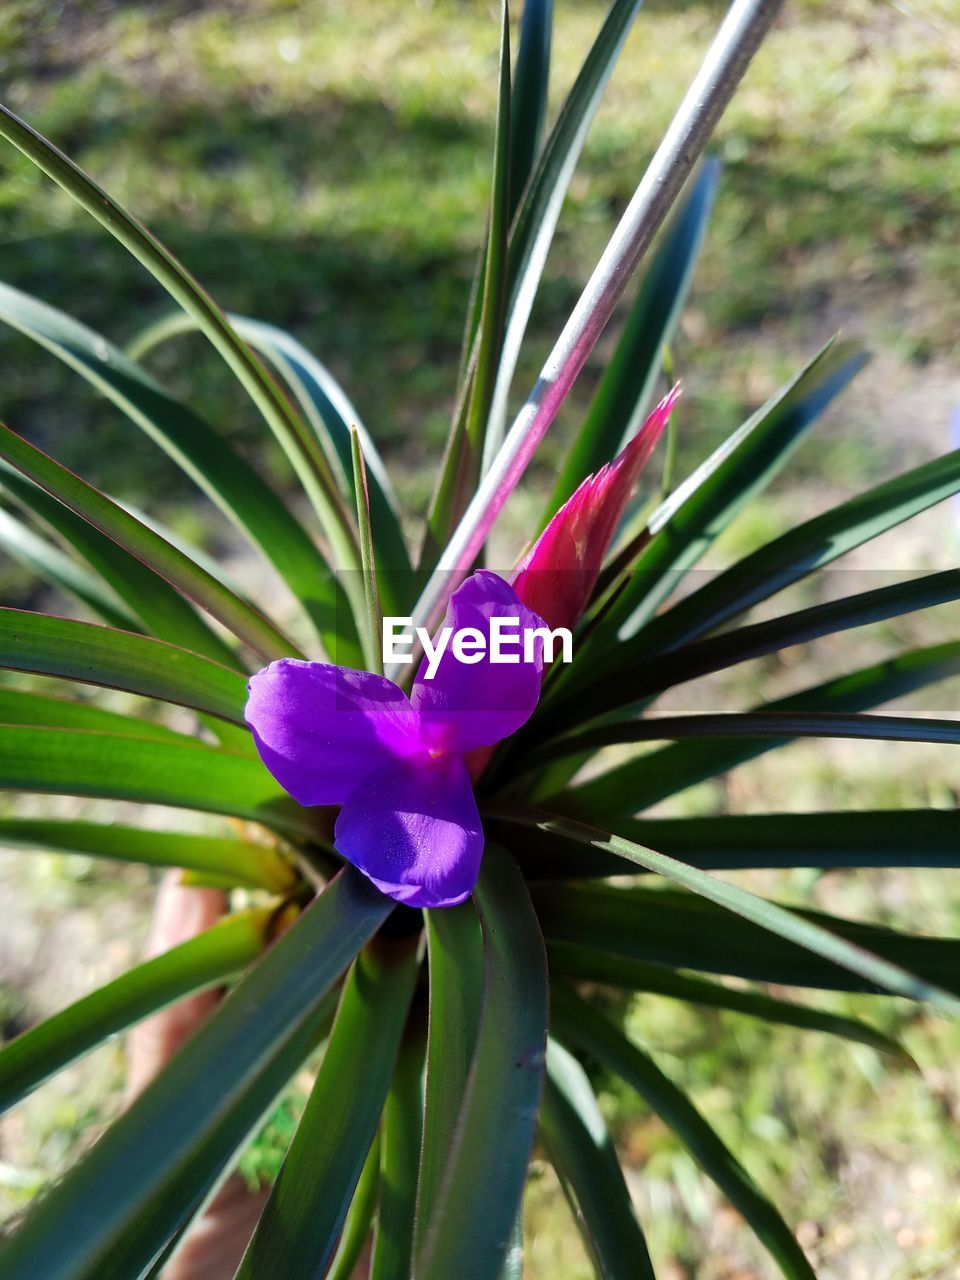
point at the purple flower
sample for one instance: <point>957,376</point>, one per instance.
<point>331,735</point>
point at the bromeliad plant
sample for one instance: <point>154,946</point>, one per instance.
<point>443,934</point>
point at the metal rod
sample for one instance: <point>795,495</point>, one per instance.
<point>743,29</point>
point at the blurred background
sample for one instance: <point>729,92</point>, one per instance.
<point>324,165</point>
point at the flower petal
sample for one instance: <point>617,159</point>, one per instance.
<point>322,729</point>
<point>558,573</point>
<point>476,703</point>
<point>414,830</point>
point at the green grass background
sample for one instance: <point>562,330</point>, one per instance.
<point>324,166</point>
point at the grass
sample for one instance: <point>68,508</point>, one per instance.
<point>327,170</point>
<point>325,167</point>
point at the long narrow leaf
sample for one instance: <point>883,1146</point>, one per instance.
<point>393,1242</point>
<point>159,607</point>
<point>685,524</point>
<point>493,292</point>
<point>330,414</point>
<point>623,681</point>
<point>622,398</point>
<point>204,961</point>
<point>692,518</point>
<point>528,107</point>
<point>297,1233</point>
<point>227,859</point>
<point>180,571</point>
<point>356,1225</point>
<point>638,784</point>
<point>582,1152</point>
<point>589,965</point>
<point>474,1214</point>
<point>45,645</point>
<point>300,446</point>
<point>120,1204</point>
<point>768,915</point>
<point>513,1261</point>
<point>668,927</point>
<point>539,212</point>
<point>854,838</point>
<point>233,484</point>
<point>156,606</point>
<point>186,776</point>
<point>237,1129</point>
<point>812,545</point>
<point>52,565</point>
<point>455,950</point>
<point>760,724</point>
<point>581,1026</point>
<point>370,635</point>
<point>18,706</point>
<point>41,644</point>
<point>463,457</point>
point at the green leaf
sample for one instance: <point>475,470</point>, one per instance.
<point>528,107</point>
<point>372,630</point>
<point>539,212</point>
<point>233,484</point>
<point>622,681</point>
<point>455,950</point>
<point>465,446</point>
<point>810,546</point>
<point>206,559</point>
<point>154,603</point>
<point>881,838</point>
<point>298,1231</point>
<point>785,725</point>
<point>359,1220</point>
<point>493,292</point>
<point>690,519</point>
<point>119,1205</point>
<point>259,1098</point>
<point>686,524</point>
<point>667,927</point>
<point>28,548</point>
<point>640,783</point>
<point>292,433</point>
<point>330,414</point>
<point>581,1026</point>
<point>186,776</point>
<point>393,1242</point>
<point>589,965</point>
<point>513,1262</point>
<point>161,556</point>
<point>239,862</point>
<point>582,1152</point>
<point>473,1217</point>
<point>204,961</point>
<point>47,646</point>
<point>786,925</point>
<point>18,706</point>
<point>356,1225</point>
<point>622,398</point>
<point>161,609</point>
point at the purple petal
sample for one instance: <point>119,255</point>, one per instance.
<point>414,830</point>
<point>321,730</point>
<point>467,705</point>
